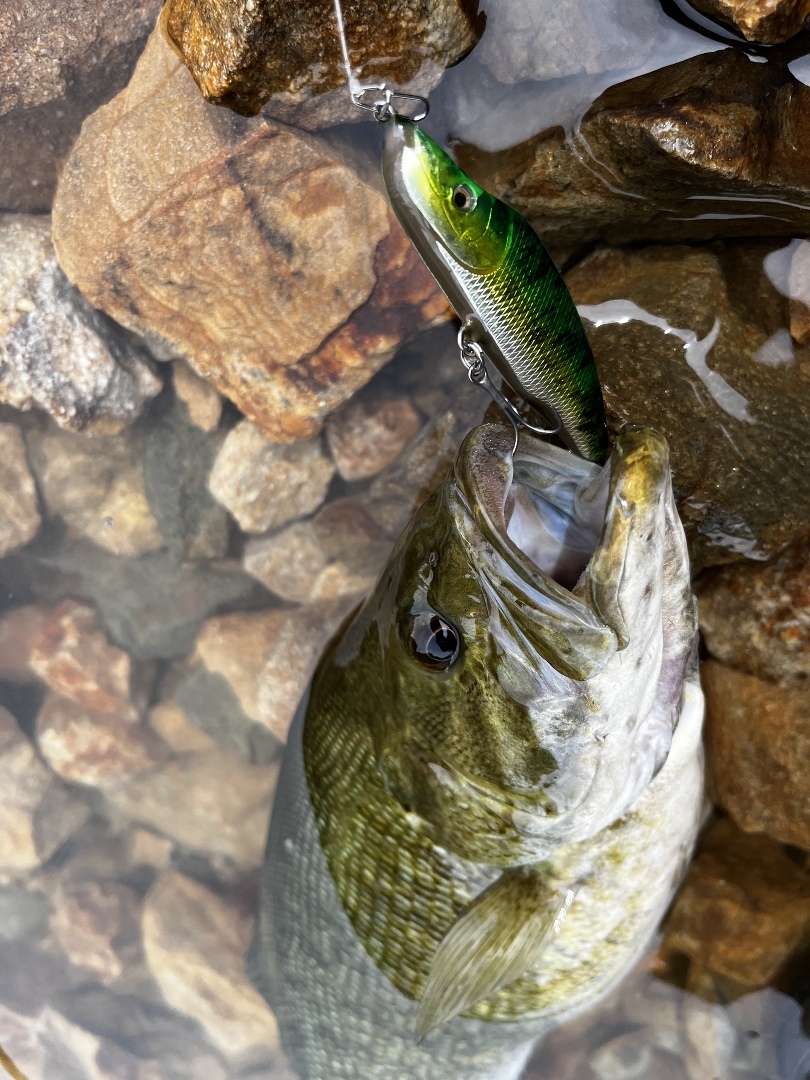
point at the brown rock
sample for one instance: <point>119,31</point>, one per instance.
<point>195,946</point>
<point>57,64</point>
<point>19,511</point>
<point>266,484</point>
<point>241,55</point>
<point>236,646</point>
<point>768,21</point>
<point>799,293</point>
<point>209,803</point>
<point>97,926</point>
<point>742,910</point>
<point>56,352</point>
<point>175,728</point>
<point>200,398</point>
<point>148,849</point>
<point>715,128</point>
<point>100,749</point>
<point>19,629</point>
<point>97,486</point>
<point>677,334</point>
<point>756,616</point>
<point>75,659</point>
<point>250,250</point>
<point>758,740</point>
<point>368,433</point>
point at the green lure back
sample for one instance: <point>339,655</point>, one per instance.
<point>502,282</point>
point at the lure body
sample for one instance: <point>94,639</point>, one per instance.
<point>502,282</point>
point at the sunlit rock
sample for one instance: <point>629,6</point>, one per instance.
<point>253,251</point>
<point>768,21</point>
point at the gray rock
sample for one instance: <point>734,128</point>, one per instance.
<point>19,510</point>
<point>56,352</point>
<point>265,484</point>
<point>213,706</point>
<point>24,913</point>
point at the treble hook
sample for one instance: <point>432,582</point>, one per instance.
<point>472,357</point>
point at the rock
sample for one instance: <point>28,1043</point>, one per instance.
<point>676,332</point>
<point>24,913</point>
<point>798,289</point>
<point>148,849</point>
<point>369,433</point>
<point>711,128</point>
<point>19,629</point>
<point>338,554</point>
<point>97,486</point>
<point>200,398</point>
<point>37,815</point>
<point>19,512</point>
<point>236,647</point>
<point>741,912</point>
<point>242,56</point>
<point>57,65</point>
<point>710,1039</point>
<point>758,742</point>
<point>97,926</point>
<point>75,659</point>
<point>99,749</point>
<point>209,803</point>
<point>56,352</point>
<point>265,484</point>
<point>170,721</point>
<point>623,1057</point>
<point>768,21</point>
<point>756,616</point>
<point>249,249</point>
<point>195,946</point>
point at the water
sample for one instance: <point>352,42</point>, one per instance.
<point>163,614</point>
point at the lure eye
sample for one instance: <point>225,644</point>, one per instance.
<point>464,198</point>
<point>434,642</point>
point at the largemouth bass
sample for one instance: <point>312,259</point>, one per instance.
<point>489,797</point>
<point>501,281</point>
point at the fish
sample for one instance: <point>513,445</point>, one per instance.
<point>500,279</point>
<point>492,789</point>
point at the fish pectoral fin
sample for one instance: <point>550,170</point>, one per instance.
<point>496,940</point>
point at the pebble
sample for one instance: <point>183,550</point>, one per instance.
<point>19,506</point>
<point>200,398</point>
<point>369,433</point>
<point>264,484</point>
<point>19,629</point>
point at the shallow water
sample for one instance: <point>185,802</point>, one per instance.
<point>162,614</point>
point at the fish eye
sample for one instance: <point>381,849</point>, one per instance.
<point>435,642</point>
<point>464,198</point>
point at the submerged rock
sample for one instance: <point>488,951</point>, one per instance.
<point>241,55</point>
<point>768,21</point>
<point>758,742</point>
<point>756,617</point>
<point>266,484</point>
<point>19,506</point>
<point>713,146</point>
<point>741,912</point>
<point>249,249</point>
<point>369,433</point>
<point>58,63</point>
<point>195,946</point>
<point>687,341</point>
<point>96,924</point>
<point>56,352</point>
<point>200,398</point>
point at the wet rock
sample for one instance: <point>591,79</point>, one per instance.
<point>250,250</point>
<point>265,484</point>
<point>677,334</point>
<point>368,433</point>
<point>756,617</point>
<point>338,554</point>
<point>99,749</point>
<point>768,21</point>
<point>209,803</point>
<point>97,486</point>
<point>200,398</point>
<point>19,629</point>
<point>37,815</point>
<point>195,946</point>
<point>712,128</point>
<point>19,512</point>
<point>56,352</point>
<point>758,741</point>
<point>242,56</point>
<point>97,926</point>
<point>799,292</point>
<point>236,647</point>
<point>73,657</point>
<point>741,912</point>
